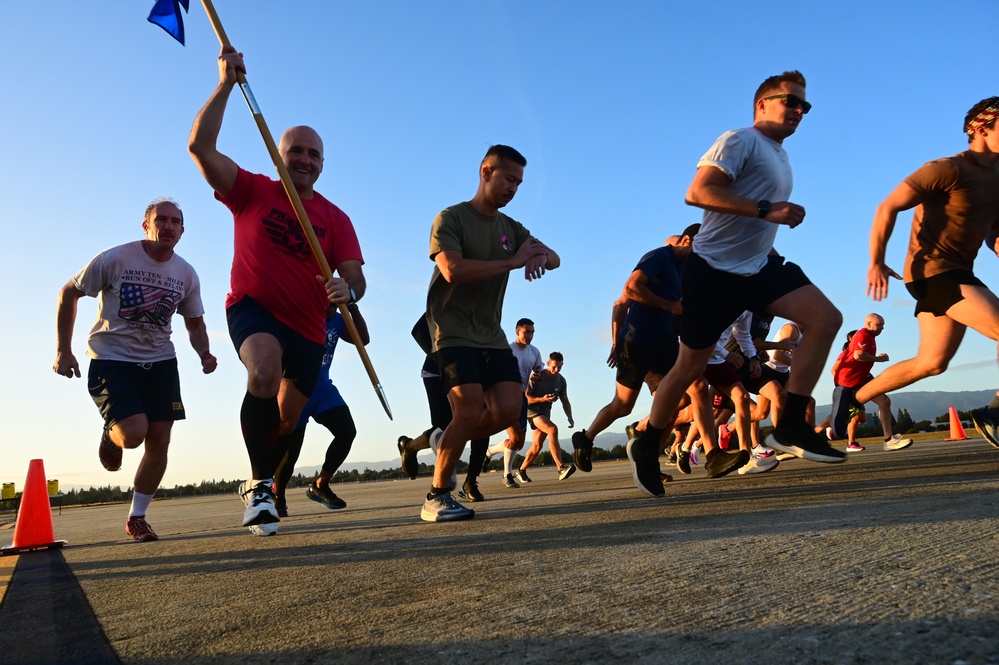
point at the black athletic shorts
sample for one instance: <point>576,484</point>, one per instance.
<point>486,367</point>
<point>713,299</point>
<point>121,389</point>
<point>780,377</point>
<point>636,359</point>
<point>939,293</point>
<point>767,374</point>
<point>301,358</point>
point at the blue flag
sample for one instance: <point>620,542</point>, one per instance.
<point>166,14</point>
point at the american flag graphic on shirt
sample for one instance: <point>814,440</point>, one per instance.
<point>148,304</point>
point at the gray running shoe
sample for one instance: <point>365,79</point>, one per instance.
<point>509,481</point>
<point>444,508</point>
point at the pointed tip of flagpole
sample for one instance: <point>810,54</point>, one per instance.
<point>384,400</point>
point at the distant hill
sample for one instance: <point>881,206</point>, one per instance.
<point>920,405</point>
<point>927,405</point>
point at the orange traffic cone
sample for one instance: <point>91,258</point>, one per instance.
<point>956,428</point>
<point>33,530</point>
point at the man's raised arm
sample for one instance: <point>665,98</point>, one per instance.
<point>219,170</point>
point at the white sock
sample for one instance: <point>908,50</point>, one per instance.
<point>495,449</point>
<point>507,461</point>
<point>140,502</point>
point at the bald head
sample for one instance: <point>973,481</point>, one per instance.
<point>874,323</point>
<point>298,133</point>
<point>672,240</point>
<point>301,149</point>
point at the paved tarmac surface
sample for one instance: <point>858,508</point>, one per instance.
<point>892,557</point>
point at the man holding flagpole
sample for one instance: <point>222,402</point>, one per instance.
<point>277,301</point>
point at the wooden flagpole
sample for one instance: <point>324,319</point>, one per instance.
<point>296,202</point>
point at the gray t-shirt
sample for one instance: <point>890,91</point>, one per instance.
<point>136,298</point>
<point>759,169</point>
<point>548,383</point>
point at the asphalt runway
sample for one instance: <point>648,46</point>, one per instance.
<point>891,557</point>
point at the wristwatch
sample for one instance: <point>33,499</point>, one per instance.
<point>353,296</point>
<point>763,208</point>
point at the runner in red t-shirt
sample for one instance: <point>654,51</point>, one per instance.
<point>853,370</point>
<point>276,307</point>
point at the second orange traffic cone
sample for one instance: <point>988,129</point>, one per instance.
<point>956,428</point>
<point>33,530</point>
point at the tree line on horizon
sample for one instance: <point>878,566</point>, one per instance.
<point>903,423</point>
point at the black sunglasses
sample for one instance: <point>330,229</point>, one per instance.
<point>792,102</point>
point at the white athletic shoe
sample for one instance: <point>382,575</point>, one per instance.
<point>264,529</point>
<point>897,443</point>
<point>759,465</point>
<point>259,501</point>
<point>763,451</point>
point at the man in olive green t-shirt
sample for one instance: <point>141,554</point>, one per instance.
<point>474,247</point>
<point>957,211</point>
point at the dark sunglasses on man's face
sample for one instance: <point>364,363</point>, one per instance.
<point>792,102</point>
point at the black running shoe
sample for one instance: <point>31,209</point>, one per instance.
<point>409,464</point>
<point>683,461</point>
<point>281,505</point>
<point>805,443</point>
<point>470,491</point>
<point>843,401</point>
<point>719,462</point>
<point>631,431</point>
<point>985,423</point>
<point>325,496</point>
<point>485,463</point>
<point>645,468</point>
<point>582,449</point>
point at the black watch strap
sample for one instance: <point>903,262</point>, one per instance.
<point>763,208</point>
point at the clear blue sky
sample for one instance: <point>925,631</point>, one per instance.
<point>611,103</point>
